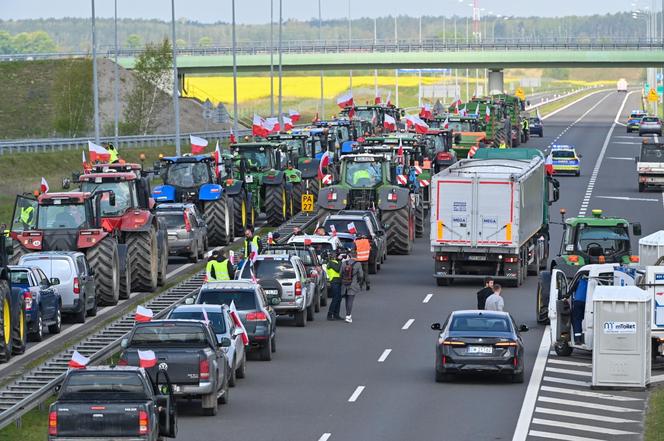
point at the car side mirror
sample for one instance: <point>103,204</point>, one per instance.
<point>524,328</point>
<point>436,327</point>
<point>274,301</point>
<point>189,301</point>
<point>66,183</point>
<point>55,281</point>
<point>636,229</point>
<point>224,342</point>
<point>124,343</point>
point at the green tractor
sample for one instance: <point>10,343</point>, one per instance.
<point>371,117</point>
<point>270,184</point>
<point>512,107</point>
<point>364,184</point>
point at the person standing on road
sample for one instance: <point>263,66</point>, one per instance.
<point>219,268</point>
<point>485,292</point>
<point>351,279</point>
<point>334,278</point>
<point>495,301</point>
<point>363,251</point>
<point>249,240</point>
<point>579,309</point>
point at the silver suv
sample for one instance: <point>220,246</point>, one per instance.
<point>650,125</point>
<point>187,230</point>
<point>286,277</point>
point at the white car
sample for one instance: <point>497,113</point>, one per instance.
<point>321,244</point>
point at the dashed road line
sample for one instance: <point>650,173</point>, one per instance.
<point>569,363</point>
<point>384,355</point>
<point>407,324</point>
<point>356,394</point>
<point>620,158</point>
<point>550,379</point>
<point>625,198</point>
<point>428,296</point>
<point>325,437</point>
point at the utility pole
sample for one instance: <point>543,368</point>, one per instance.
<point>320,38</point>
<point>419,89</point>
<point>396,71</point>
<point>95,82</point>
<point>281,123</point>
<point>116,80</point>
<point>376,70</point>
<point>176,86</point>
<point>271,57</point>
<point>234,42</point>
<point>350,39</point>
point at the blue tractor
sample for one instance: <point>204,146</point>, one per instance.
<point>192,178</point>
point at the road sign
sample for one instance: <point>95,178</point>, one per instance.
<point>652,96</point>
<point>520,93</point>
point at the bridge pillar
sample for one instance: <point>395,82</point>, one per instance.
<point>496,84</point>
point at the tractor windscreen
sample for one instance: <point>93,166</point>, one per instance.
<point>256,158</point>
<point>460,126</point>
<point>124,197</point>
<point>598,241</point>
<point>363,174</point>
<point>61,216</point>
<point>366,115</point>
<point>297,146</point>
<point>342,133</point>
<point>188,174</point>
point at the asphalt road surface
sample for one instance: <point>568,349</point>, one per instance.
<point>374,379</point>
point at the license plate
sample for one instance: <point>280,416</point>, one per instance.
<point>308,202</point>
<point>248,179</point>
<point>176,388</point>
<point>476,257</point>
<point>480,350</point>
<point>271,291</point>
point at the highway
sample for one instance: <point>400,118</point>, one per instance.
<point>373,379</point>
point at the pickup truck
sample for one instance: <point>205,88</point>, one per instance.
<point>188,350</point>
<point>105,403</point>
<point>650,165</point>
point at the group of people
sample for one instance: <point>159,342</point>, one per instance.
<point>220,266</point>
<point>489,298</point>
<point>345,275</point>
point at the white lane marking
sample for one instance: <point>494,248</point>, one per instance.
<point>567,106</point>
<point>626,143</point>
<point>560,436</point>
<point>624,136</point>
<point>588,405</point>
<point>583,427</point>
<point>625,198</point>
<point>522,425</point>
<point>177,270</point>
<point>582,415</point>
<point>384,355</point>
<point>585,393</point>
<point>325,437</point>
<point>620,158</point>
<point>428,296</point>
<point>568,371</point>
<point>407,324</point>
<point>570,363</point>
<point>600,158</point>
<point>353,398</point>
<point>566,381</point>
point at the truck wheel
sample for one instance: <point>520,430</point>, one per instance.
<point>231,378</point>
<point>125,282</point>
<point>310,311</point>
<point>533,268</point>
<point>398,231</point>
<point>193,256</point>
<point>38,333</point>
<point>18,251</point>
<point>143,257</point>
<point>225,398</point>
<point>19,331</point>
<point>300,319</point>
<point>6,343</point>
<point>296,197</point>
<point>209,404</point>
<point>265,353</point>
<point>217,214</point>
<point>79,317</point>
<point>276,204</point>
<point>92,312</point>
<point>104,260</point>
<point>241,213</point>
<point>419,220</point>
<point>241,371</point>
<point>517,378</point>
<point>441,282</point>
<point>373,266</point>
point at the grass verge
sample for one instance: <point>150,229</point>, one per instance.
<point>654,424</point>
<point>34,426</point>
<point>553,106</point>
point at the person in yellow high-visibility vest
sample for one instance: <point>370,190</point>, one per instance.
<point>502,145</point>
<point>219,268</point>
<point>114,154</point>
<point>27,216</point>
<point>333,271</point>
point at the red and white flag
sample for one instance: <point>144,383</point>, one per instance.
<point>44,185</point>
<point>258,127</point>
<point>83,159</point>
<point>333,230</point>
<point>217,159</point>
<point>143,314</point>
<point>232,139</point>
<point>253,253</point>
<point>146,359</point>
<point>236,319</point>
<point>98,153</point>
<point>78,361</point>
<point>377,100</point>
<point>389,98</point>
<point>271,125</point>
<point>294,115</point>
<point>345,100</point>
<point>415,122</point>
<point>389,123</point>
<point>456,107</point>
<point>324,162</point>
<point>472,151</point>
<point>425,112</point>
<point>288,123</point>
<point>270,238</point>
<point>477,109</point>
<point>446,123</point>
<point>351,228</point>
<point>487,115</point>
<point>197,144</point>
<point>548,164</point>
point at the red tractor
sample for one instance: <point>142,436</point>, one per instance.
<point>133,219</point>
<point>71,222</point>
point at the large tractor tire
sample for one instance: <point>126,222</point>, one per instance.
<point>243,213</point>
<point>105,262</point>
<point>419,219</point>
<point>6,342</point>
<point>125,281</point>
<point>296,197</point>
<point>143,255</point>
<point>500,137</point>
<point>163,263</point>
<point>18,251</point>
<point>398,231</point>
<point>276,204</point>
<point>219,222</point>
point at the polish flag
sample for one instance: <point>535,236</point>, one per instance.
<point>146,359</point>
<point>487,116</point>
<point>232,139</point>
<point>316,118</point>
<point>271,125</point>
<point>143,314</point>
<point>258,127</point>
<point>44,185</point>
<point>217,159</point>
<point>472,151</point>
<point>78,361</point>
<point>253,254</point>
<point>456,107</point>
<point>389,123</point>
<point>98,153</point>
<point>253,276</point>
<point>288,123</point>
<point>345,100</point>
<point>446,123</point>
<point>84,160</point>
<point>333,230</point>
<point>400,151</point>
<point>294,115</point>
<point>324,162</point>
<point>548,164</point>
<point>419,125</point>
<point>197,144</point>
<point>477,110</point>
<point>351,228</point>
<point>377,100</point>
<point>425,112</point>
<point>464,111</point>
<point>389,96</point>
<point>270,238</point>
<point>236,319</point>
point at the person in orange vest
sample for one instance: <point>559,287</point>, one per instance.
<point>363,248</point>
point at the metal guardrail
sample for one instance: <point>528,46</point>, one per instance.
<point>37,385</point>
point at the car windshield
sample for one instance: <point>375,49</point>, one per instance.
<point>303,254</point>
<point>245,300</point>
<point>636,115</point>
<point>651,153</point>
<point>188,174</point>
<point>563,154</point>
<point>594,240</point>
<point>363,174</point>
<point>320,246</point>
<point>109,384</point>
<point>170,334</point>
<point>256,157</point>
<point>479,324</point>
<point>459,126</point>
<point>270,269</point>
<point>649,119</point>
<point>534,120</point>
<point>61,216</point>
<point>174,221</point>
<point>52,267</point>
<point>341,225</point>
<point>19,277</point>
<point>123,196</point>
<point>365,115</point>
<point>215,318</point>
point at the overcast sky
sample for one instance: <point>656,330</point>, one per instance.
<point>258,11</point>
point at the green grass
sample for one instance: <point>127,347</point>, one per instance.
<point>550,107</point>
<point>34,426</point>
<point>654,424</point>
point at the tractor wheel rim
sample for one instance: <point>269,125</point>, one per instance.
<point>227,220</point>
<point>283,203</point>
<point>243,210</point>
<point>6,317</point>
<point>21,322</point>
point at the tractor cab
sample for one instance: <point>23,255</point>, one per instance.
<point>130,192</point>
<point>258,156</point>
<point>187,178</point>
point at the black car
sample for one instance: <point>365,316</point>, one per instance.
<point>535,126</point>
<point>479,341</point>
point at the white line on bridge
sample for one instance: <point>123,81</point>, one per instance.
<point>325,437</point>
<point>353,398</point>
<point>384,355</point>
<point>407,324</point>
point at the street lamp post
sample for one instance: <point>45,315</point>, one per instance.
<point>350,38</point>
<point>95,82</point>
<point>176,87</point>
<point>271,57</point>
<point>320,38</point>
<point>234,43</point>
<point>280,66</point>
<point>116,80</point>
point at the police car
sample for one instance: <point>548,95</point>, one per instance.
<point>565,160</point>
<point>634,120</point>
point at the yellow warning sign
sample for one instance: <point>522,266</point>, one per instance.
<point>520,94</point>
<point>652,96</point>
